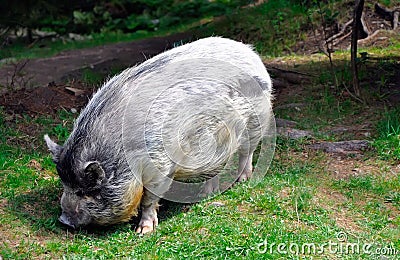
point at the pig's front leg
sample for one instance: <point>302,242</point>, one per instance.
<point>149,220</point>
<point>156,185</point>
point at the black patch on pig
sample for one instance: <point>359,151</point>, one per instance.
<point>264,85</point>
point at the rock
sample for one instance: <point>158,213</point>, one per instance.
<point>339,130</point>
<point>217,204</point>
<point>343,147</point>
<point>296,106</point>
<point>293,133</point>
<point>75,91</point>
<point>285,123</point>
<point>279,83</point>
<point>367,134</point>
<point>78,37</point>
<point>7,61</point>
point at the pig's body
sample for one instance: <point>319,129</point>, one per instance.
<point>139,132</point>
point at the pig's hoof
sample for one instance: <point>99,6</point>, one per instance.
<point>144,229</point>
<point>244,176</point>
<point>147,226</point>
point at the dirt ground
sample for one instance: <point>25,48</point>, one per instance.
<point>41,85</point>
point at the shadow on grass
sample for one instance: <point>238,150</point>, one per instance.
<point>40,209</point>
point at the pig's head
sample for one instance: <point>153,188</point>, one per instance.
<point>88,197</point>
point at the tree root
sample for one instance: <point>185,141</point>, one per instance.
<point>365,33</point>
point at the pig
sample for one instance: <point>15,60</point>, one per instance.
<point>178,116</point>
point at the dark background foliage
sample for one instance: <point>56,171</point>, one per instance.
<point>87,16</point>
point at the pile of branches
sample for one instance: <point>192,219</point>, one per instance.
<point>372,23</point>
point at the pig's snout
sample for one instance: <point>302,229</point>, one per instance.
<point>64,219</point>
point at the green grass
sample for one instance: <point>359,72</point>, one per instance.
<point>388,142</point>
<point>291,205</point>
<point>262,26</point>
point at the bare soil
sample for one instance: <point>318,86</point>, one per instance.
<point>44,100</point>
<point>38,85</point>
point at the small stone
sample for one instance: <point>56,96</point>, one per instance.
<point>293,133</point>
<point>343,147</point>
<point>217,204</point>
<point>280,122</point>
<point>74,110</point>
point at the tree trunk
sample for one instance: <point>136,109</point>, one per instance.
<point>358,9</point>
<point>29,35</point>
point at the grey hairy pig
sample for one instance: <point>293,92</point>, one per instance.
<point>149,125</point>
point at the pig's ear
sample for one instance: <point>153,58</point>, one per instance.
<point>54,148</point>
<point>93,175</point>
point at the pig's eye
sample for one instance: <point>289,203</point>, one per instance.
<point>79,193</point>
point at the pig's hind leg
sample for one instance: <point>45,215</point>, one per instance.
<point>245,166</point>
<point>249,143</point>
